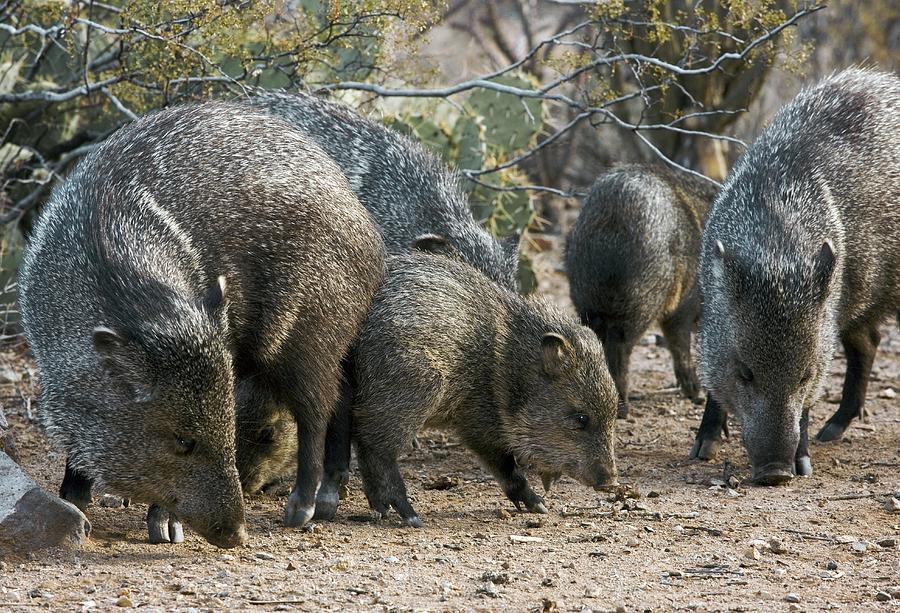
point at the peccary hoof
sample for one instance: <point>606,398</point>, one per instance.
<point>297,514</point>
<point>705,449</point>
<point>327,500</point>
<point>804,466</point>
<point>163,527</point>
<point>772,476</point>
<point>831,431</point>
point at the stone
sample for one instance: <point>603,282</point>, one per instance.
<point>31,519</point>
<point>792,598</point>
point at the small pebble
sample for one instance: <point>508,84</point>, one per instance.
<point>752,553</point>
<point>777,546</point>
<point>888,393</point>
<point>592,592</point>
<point>892,505</point>
<point>888,543</point>
<point>883,596</point>
<point>124,601</point>
<point>503,514</point>
<point>832,565</point>
<point>792,598</point>
<point>633,542</point>
<point>676,573</point>
<point>793,607</point>
<point>262,555</point>
<point>859,547</point>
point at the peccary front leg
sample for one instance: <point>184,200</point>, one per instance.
<point>709,436</point>
<point>336,471</point>
<point>76,488</point>
<point>677,331</point>
<point>162,526</point>
<point>860,346</point>
<point>515,485</point>
<point>384,485</point>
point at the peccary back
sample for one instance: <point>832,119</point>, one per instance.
<point>515,378</point>
<point>408,190</point>
<point>631,259</point>
<point>802,248</point>
<point>137,341</point>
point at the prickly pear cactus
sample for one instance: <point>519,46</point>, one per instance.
<point>493,128</point>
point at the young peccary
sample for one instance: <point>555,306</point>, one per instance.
<point>195,247</point>
<point>801,248</point>
<point>408,190</point>
<point>517,380</point>
<point>631,259</point>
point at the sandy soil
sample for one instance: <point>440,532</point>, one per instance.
<point>685,540</point>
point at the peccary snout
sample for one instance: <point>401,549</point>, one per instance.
<point>218,518</point>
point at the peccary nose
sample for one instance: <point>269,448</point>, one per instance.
<point>772,474</point>
<point>227,537</point>
<point>606,480</point>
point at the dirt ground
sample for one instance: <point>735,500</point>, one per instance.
<point>693,537</point>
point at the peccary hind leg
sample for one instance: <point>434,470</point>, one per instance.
<point>677,331</point>
<point>163,527</point>
<point>709,436</point>
<point>336,471</point>
<point>618,357</point>
<point>76,488</point>
<point>860,346</point>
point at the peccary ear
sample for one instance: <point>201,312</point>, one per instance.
<point>433,243</point>
<point>214,299</point>
<point>120,362</point>
<point>825,262</point>
<point>556,352</point>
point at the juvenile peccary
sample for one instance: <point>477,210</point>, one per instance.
<point>518,381</point>
<point>801,248</point>
<point>409,192</point>
<point>194,247</point>
<point>631,259</point>
<point>266,438</point>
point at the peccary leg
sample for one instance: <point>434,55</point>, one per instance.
<point>515,485</point>
<point>677,331</point>
<point>76,488</point>
<point>709,435</point>
<point>336,472</point>
<point>618,356</point>
<point>384,485</point>
<point>301,504</point>
<point>162,526</point>
<point>802,463</point>
<point>860,346</point>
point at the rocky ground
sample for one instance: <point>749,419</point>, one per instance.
<point>683,535</point>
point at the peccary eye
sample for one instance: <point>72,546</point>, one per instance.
<point>582,420</point>
<point>744,373</point>
<point>266,436</point>
<point>186,445</point>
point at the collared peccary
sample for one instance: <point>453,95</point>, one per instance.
<point>195,247</point>
<point>631,259</point>
<point>408,190</point>
<point>518,381</point>
<point>801,249</point>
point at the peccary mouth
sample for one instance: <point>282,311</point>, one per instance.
<point>772,474</point>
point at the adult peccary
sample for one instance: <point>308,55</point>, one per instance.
<point>631,259</point>
<point>408,190</point>
<point>196,246</point>
<point>518,381</point>
<point>801,248</point>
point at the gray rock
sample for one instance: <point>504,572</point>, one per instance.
<point>31,519</point>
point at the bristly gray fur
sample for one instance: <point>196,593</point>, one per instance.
<point>407,189</point>
<point>443,345</point>
<point>810,254</point>
<point>631,259</point>
<point>134,241</point>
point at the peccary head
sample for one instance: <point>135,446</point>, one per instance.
<point>266,439</point>
<point>564,421</point>
<point>171,381</point>
<point>768,344</point>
